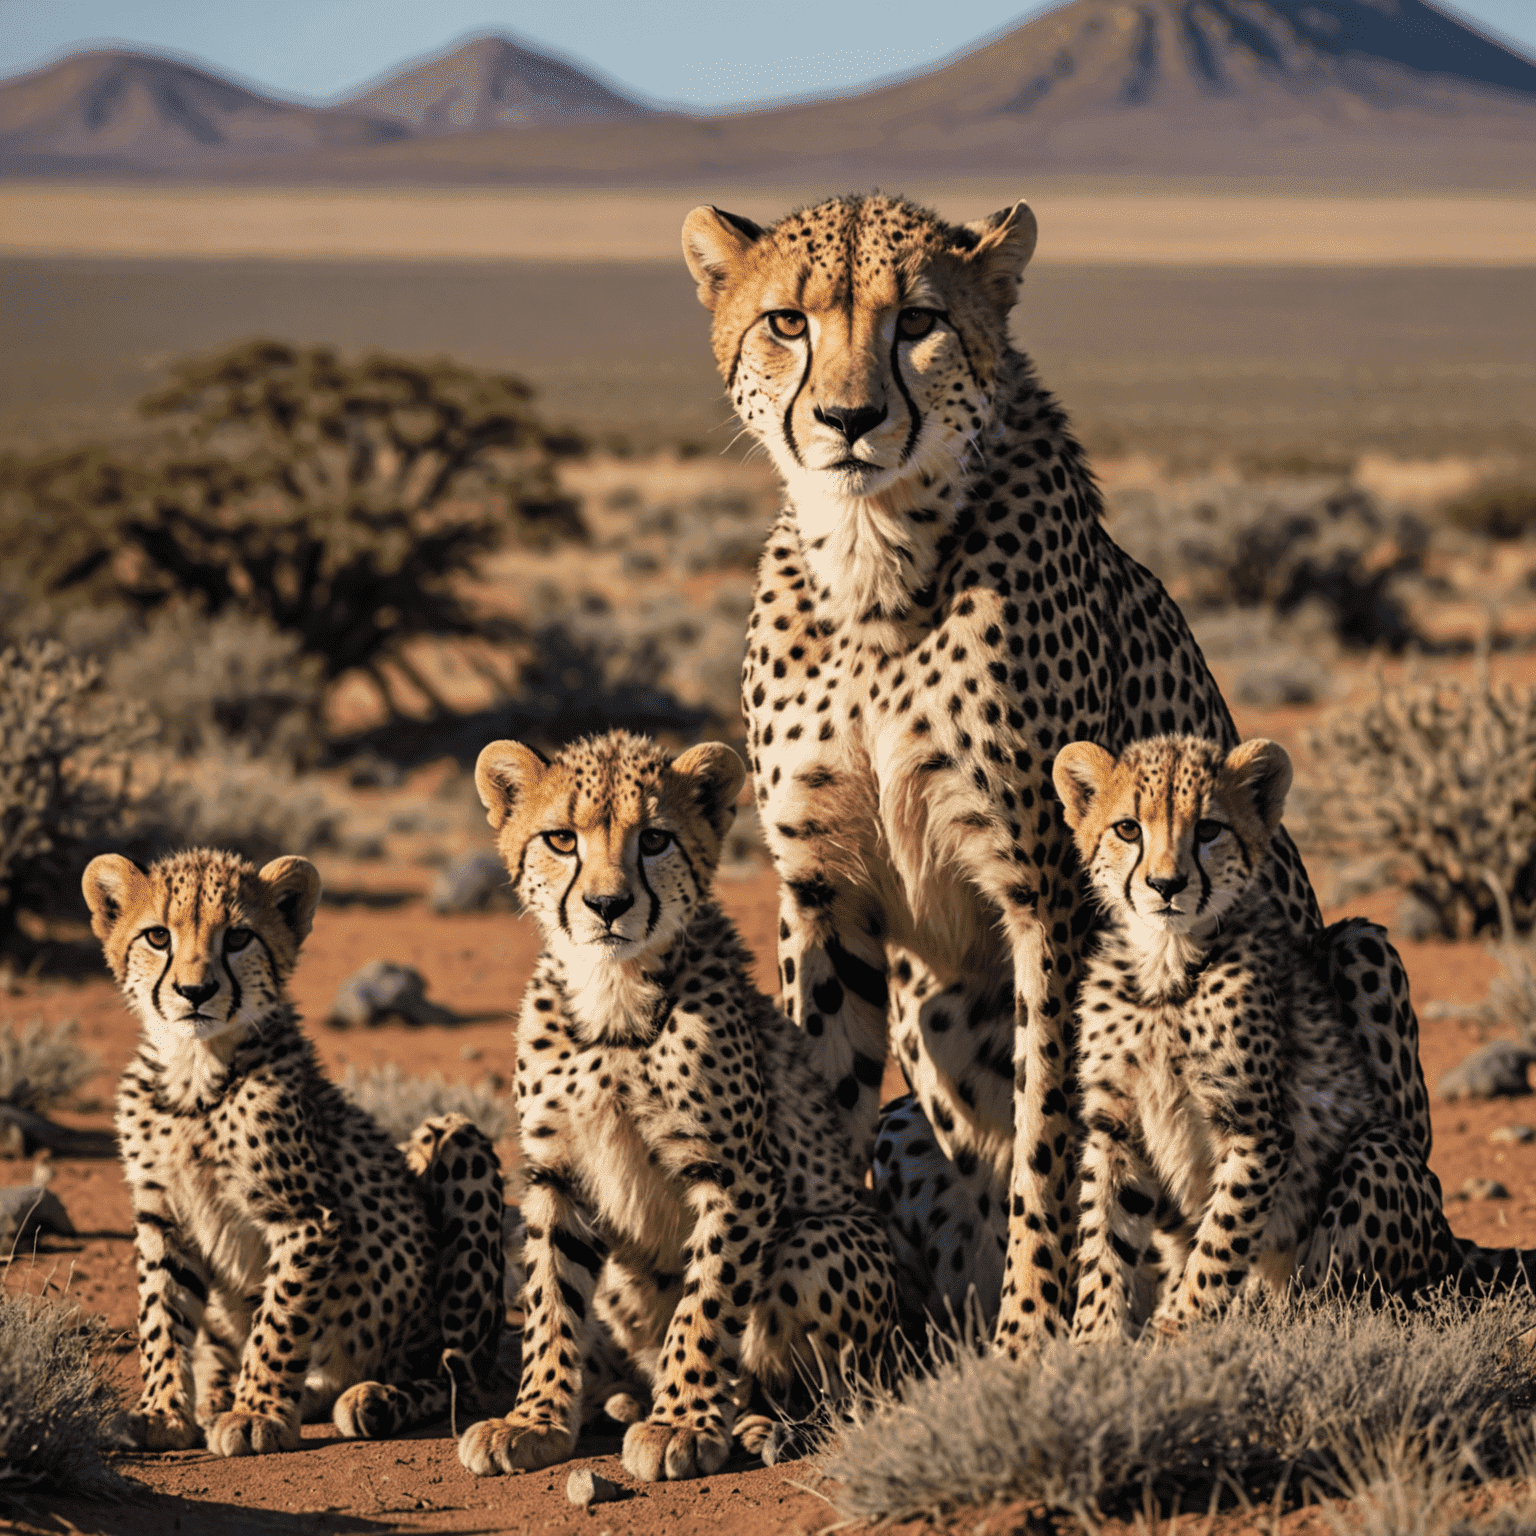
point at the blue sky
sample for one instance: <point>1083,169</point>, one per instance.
<point>682,51</point>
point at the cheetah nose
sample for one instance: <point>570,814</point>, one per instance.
<point>853,421</point>
<point>197,995</point>
<point>610,907</point>
<point>1167,886</point>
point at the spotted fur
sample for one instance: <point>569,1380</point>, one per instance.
<point>695,1212</point>
<point>1236,1134</point>
<point>938,611</point>
<point>290,1262</point>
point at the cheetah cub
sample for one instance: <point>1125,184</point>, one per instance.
<point>692,1195</point>
<point>1234,1128</point>
<point>290,1258</point>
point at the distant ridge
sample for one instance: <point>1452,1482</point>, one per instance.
<point>1389,92</point>
<point>118,110</point>
<point>492,82</point>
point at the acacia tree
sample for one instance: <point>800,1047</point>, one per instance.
<point>343,500</point>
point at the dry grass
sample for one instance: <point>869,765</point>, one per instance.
<point>1320,1398</point>
<point>54,1403</point>
<point>399,1102</point>
<point>43,1064</point>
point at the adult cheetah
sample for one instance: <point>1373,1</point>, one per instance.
<point>938,611</point>
<point>694,1201</point>
<point>1234,1132</point>
<point>291,1260</point>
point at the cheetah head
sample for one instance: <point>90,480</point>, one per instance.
<point>860,340</point>
<point>1174,831</point>
<point>201,942</point>
<point>610,846</point>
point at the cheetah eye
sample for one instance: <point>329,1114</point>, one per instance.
<point>912,324</point>
<point>236,940</point>
<point>561,842</point>
<point>1207,831</point>
<point>157,938</point>
<point>787,323</point>
<point>653,841</point>
<point>1128,830</point>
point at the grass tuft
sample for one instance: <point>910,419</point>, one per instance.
<point>54,1404</point>
<point>400,1103</point>
<point>1315,1398</point>
<point>43,1064</point>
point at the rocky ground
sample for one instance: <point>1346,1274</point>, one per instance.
<point>476,964</point>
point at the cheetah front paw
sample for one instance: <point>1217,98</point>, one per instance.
<point>154,1430</point>
<point>513,1445</point>
<point>251,1434</point>
<point>370,1410</point>
<point>653,1452</point>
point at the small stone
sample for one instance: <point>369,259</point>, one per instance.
<point>29,1208</point>
<point>473,883</point>
<point>1516,1134</point>
<point>1484,1189</point>
<point>474,1053</point>
<point>1496,1070</point>
<point>586,1488</point>
<point>384,990</point>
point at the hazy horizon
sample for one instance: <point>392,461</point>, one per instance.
<point>321,50</point>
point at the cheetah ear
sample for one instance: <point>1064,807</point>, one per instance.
<point>713,242</point>
<point>1260,771</point>
<point>504,772</point>
<point>1082,769</point>
<point>1005,242</point>
<point>294,886</point>
<point>111,883</point>
<point>718,774</point>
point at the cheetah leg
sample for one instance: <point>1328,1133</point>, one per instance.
<point>632,1315</point>
<point>635,1303</point>
<point>459,1176</point>
<point>216,1357</point>
<point>1230,1229</point>
<point>699,1386</point>
<point>834,987</point>
<point>826,1306</point>
<point>954,1044</point>
<point>1119,1197</point>
<point>1371,985</point>
<point>817,1329</point>
<point>173,1292</point>
<point>1382,1224</point>
<point>1040,1216</point>
<point>269,1394</point>
<point>947,1222</point>
<point>563,1258</point>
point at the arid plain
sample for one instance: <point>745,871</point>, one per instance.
<point>1228,358</point>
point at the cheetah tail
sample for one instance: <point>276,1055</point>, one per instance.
<point>1492,1271</point>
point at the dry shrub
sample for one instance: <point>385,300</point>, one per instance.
<point>1495,509</point>
<point>400,1103</point>
<point>1219,544</point>
<point>235,680</point>
<point>54,1403</point>
<point>1316,1397</point>
<point>43,1064</point>
<point>65,757</point>
<point>251,806</point>
<point>1440,776</point>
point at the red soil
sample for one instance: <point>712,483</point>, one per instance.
<point>477,965</point>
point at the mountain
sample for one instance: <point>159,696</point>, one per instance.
<point>1385,92</point>
<point>1396,92</point>
<point>115,110</point>
<point>492,82</point>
